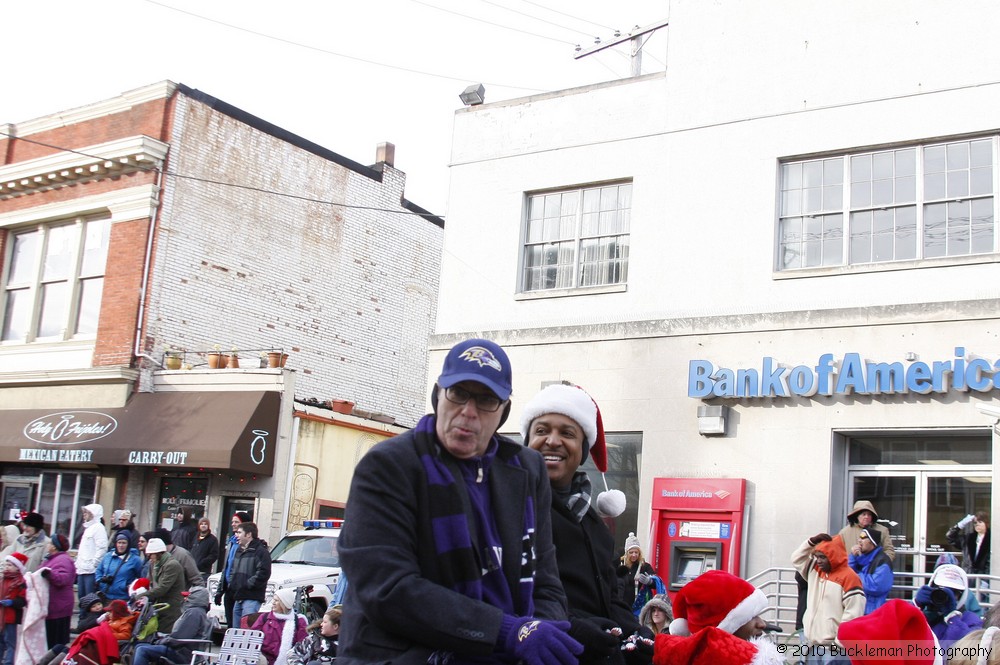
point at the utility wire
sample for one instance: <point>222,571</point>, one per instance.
<point>577,18</point>
<point>536,18</point>
<point>482,20</point>
<point>251,188</point>
<point>344,55</point>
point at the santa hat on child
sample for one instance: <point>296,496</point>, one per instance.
<point>574,402</point>
<point>138,585</point>
<point>716,598</point>
<point>18,559</point>
<point>895,624</point>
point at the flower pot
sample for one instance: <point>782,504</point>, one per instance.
<point>172,362</point>
<point>342,406</point>
<point>274,358</point>
<point>284,359</point>
<point>234,362</point>
<point>215,361</point>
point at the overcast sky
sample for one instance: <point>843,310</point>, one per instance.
<point>309,66</point>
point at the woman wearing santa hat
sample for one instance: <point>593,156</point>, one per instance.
<point>717,622</point>
<point>563,423</point>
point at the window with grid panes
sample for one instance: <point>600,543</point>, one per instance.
<point>577,238</point>
<point>906,203</point>
<point>54,281</point>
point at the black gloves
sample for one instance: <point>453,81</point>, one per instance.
<point>637,649</point>
<point>592,634</point>
<point>107,579</point>
<point>45,572</point>
<point>820,538</point>
<point>218,598</point>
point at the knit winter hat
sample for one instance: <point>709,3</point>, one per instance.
<point>125,535</point>
<point>574,402</point>
<point>35,521</point>
<point>897,623</point>
<point>136,585</point>
<point>716,598</point>
<point>18,559</point>
<point>286,596</point>
<point>60,542</point>
<point>632,542</point>
<point>155,545</point>
<point>89,601</point>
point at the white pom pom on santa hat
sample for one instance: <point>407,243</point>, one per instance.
<point>716,598</point>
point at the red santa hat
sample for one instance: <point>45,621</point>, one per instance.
<point>19,561</point>
<point>138,584</point>
<point>574,402</point>
<point>710,646</point>
<point>716,598</point>
<point>896,623</point>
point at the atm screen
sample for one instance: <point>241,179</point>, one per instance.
<point>690,568</point>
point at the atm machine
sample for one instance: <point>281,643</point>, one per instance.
<point>699,524</point>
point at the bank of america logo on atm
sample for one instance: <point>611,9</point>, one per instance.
<point>722,494</point>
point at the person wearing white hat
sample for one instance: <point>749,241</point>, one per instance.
<point>283,627</point>
<point>564,424</point>
<point>166,583</point>
<point>945,601</point>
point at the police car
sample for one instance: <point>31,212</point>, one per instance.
<point>302,559</point>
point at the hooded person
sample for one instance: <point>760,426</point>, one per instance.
<point>9,539</point>
<point>895,625</point>
<point>717,622</point>
<point>864,516</point>
<point>657,614</point>
<point>193,624</point>
<point>944,602</point>
<point>835,593</point>
<point>93,547</point>
<point>185,528</point>
<point>563,423</point>
<point>119,567</point>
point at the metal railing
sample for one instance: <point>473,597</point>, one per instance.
<point>782,592</point>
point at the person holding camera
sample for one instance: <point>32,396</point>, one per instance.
<point>119,568</point>
<point>944,600</point>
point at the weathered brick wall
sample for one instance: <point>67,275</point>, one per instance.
<point>350,294</point>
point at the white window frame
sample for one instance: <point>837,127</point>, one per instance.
<point>838,220</point>
<point>33,284</point>
<point>619,238</point>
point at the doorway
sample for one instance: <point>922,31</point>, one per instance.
<point>920,486</point>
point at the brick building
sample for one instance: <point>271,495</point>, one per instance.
<point>166,219</point>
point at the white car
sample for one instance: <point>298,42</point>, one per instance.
<point>306,558</point>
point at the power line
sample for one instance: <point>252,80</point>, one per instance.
<point>556,11</point>
<point>535,18</point>
<point>481,20</point>
<point>251,188</point>
<point>341,55</point>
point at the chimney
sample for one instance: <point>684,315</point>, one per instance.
<point>385,153</point>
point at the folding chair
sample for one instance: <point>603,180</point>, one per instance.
<point>239,647</point>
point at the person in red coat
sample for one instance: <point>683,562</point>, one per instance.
<point>11,604</point>
<point>60,571</point>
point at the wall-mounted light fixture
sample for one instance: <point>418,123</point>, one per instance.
<point>712,420</point>
<point>474,95</point>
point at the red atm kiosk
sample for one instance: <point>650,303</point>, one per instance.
<point>699,524</point>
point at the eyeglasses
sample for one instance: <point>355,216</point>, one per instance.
<point>484,401</point>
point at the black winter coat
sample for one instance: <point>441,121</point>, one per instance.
<point>978,565</point>
<point>251,571</point>
<point>585,556</point>
<point>205,552</point>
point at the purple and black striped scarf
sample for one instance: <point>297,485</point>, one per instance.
<point>464,568</point>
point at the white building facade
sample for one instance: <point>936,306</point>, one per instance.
<point>796,221</point>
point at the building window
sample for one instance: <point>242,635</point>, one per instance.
<point>577,238</point>
<point>53,286</point>
<point>890,205</point>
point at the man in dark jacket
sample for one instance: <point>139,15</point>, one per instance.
<point>184,529</point>
<point>447,538</point>
<point>563,424</point>
<point>226,565</point>
<point>205,548</point>
<point>251,568</point>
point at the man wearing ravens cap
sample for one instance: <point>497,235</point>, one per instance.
<point>447,536</point>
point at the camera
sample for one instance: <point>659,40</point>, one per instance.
<point>939,597</point>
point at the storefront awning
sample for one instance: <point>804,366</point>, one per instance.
<point>201,430</point>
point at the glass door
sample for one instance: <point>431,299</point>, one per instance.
<point>918,508</point>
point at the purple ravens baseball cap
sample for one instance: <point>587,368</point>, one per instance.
<point>478,360</point>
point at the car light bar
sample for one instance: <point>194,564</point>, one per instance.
<point>323,524</point>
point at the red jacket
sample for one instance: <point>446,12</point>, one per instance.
<point>12,588</point>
